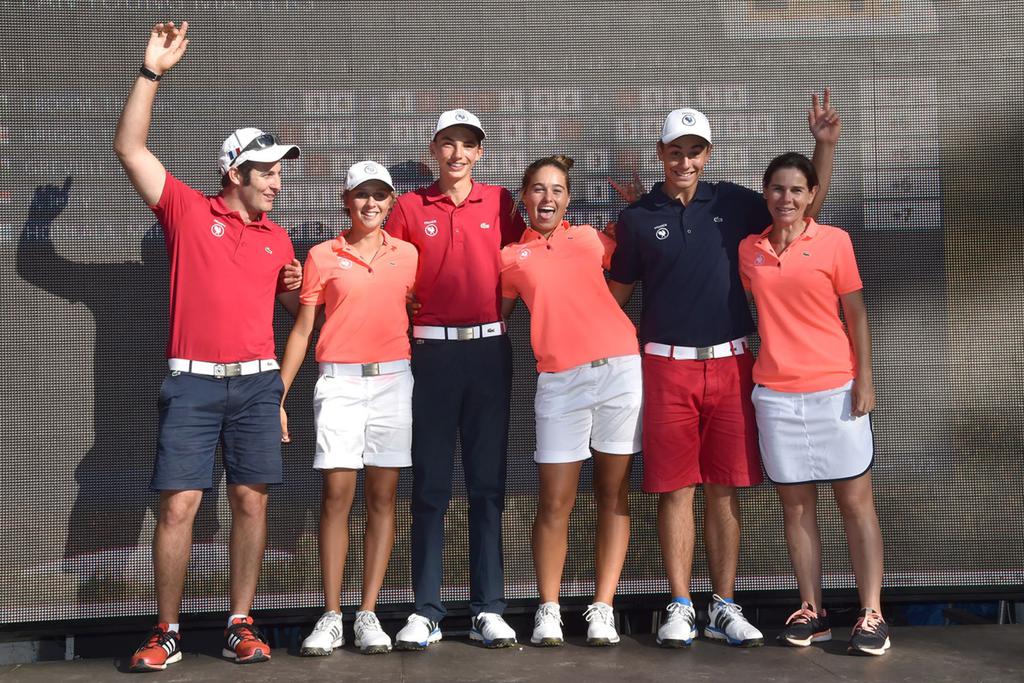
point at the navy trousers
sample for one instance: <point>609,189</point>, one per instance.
<point>461,387</point>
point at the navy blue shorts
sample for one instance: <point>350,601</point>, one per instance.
<point>198,412</point>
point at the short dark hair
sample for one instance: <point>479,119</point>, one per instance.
<point>244,170</point>
<point>792,160</point>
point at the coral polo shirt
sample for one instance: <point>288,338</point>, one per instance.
<point>366,318</point>
<point>460,265</point>
<point>224,277</point>
<point>804,345</point>
<point>573,317</point>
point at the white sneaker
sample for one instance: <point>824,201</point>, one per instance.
<point>679,627</point>
<point>417,633</point>
<point>370,637</point>
<point>726,622</point>
<point>490,629</point>
<point>602,625</point>
<point>547,626</point>
<point>325,637</point>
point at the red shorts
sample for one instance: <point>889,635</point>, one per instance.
<point>698,423</point>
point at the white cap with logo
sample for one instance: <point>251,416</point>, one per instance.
<point>685,122</point>
<point>362,171</point>
<point>252,144</point>
<point>459,117</point>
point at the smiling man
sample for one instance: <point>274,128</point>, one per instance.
<point>462,364</point>
<point>228,261</point>
<point>681,239</point>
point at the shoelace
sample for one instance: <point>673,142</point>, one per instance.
<point>804,615</point>
<point>546,611</point>
<point>731,606</point>
<point>368,621</point>
<point>869,622</point>
<point>157,638</point>
<point>676,610</point>
<point>245,631</point>
<point>602,612</point>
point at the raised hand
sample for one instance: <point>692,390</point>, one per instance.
<point>629,191</point>
<point>823,119</point>
<point>166,47</point>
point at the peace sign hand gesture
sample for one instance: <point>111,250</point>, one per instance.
<point>823,120</point>
<point>166,47</point>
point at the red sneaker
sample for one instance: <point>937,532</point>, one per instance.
<point>159,650</point>
<point>244,643</point>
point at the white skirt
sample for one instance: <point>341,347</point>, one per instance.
<point>810,437</point>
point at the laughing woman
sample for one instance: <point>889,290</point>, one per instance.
<point>363,399</point>
<point>588,392</point>
<point>813,394</point>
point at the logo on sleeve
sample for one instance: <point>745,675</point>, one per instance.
<point>217,229</point>
<point>719,219</point>
<point>430,227</point>
<point>661,231</point>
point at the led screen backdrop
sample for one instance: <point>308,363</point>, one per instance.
<point>927,181</point>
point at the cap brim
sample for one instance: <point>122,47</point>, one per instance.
<point>368,180</point>
<point>666,139</point>
<point>275,153</point>
<point>480,131</point>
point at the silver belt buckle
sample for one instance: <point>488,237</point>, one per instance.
<point>371,369</point>
<point>705,352</point>
<point>599,362</point>
<point>465,333</point>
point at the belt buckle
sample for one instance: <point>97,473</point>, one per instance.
<point>232,369</point>
<point>599,362</point>
<point>465,333</point>
<point>371,369</point>
<point>705,352</point>
<point>219,370</point>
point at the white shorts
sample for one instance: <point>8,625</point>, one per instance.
<point>363,420</point>
<point>812,436</point>
<point>589,407</point>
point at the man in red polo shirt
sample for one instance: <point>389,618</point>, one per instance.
<point>462,364</point>
<point>227,264</point>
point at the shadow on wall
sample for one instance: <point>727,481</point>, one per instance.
<point>128,301</point>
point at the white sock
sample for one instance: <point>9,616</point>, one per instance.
<point>173,627</point>
<point>236,616</point>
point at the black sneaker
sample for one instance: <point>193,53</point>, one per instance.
<point>870,635</point>
<point>806,626</point>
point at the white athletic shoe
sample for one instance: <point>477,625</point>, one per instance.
<point>547,626</point>
<point>417,633</point>
<point>679,627</point>
<point>602,625</point>
<point>491,630</point>
<point>370,637</point>
<point>325,637</point>
<point>726,622</point>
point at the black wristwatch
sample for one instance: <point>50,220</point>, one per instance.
<point>149,74</point>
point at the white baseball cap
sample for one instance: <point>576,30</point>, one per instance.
<point>459,117</point>
<point>685,122</point>
<point>252,144</point>
<point>362,171</point>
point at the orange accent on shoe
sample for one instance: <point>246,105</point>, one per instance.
<point>244,643</point>
<point>159,650</point>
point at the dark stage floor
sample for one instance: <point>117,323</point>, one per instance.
<point>955,653</point>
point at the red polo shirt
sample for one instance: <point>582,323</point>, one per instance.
<point>366,319</point>
<point>224,277</point>
<point>457,281</point>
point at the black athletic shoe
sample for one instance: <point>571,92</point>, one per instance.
<point>806,626</point>
<point>870,634</point>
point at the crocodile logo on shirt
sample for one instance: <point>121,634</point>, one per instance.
<point>217,229</point>
<point>485,226</point>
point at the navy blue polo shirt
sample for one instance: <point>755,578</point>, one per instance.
<point>687,258</point>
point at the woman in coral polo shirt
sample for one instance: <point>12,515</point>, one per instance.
<point>813,394</point>
<point>363,399</point>
<point>588,392</point>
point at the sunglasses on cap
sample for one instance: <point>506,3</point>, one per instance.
<point>259,142</point>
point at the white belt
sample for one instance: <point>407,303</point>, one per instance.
<point>363,369</point>
<point>199,367</point>
<point>736,347</point>
<point>459,333</point>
